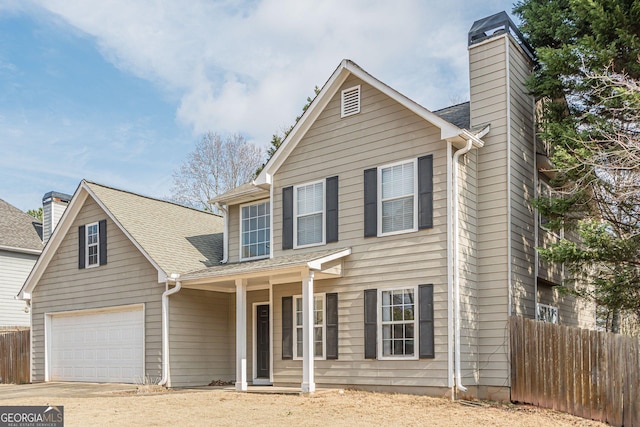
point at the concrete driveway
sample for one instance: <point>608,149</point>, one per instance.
<point>51,390</point>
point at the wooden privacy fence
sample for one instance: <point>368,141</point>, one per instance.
<point>14,357</point>
<point>591,374</point>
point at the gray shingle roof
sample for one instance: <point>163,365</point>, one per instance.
<point>459,115</point>
<point>18,229</point>
<point>177,238</point>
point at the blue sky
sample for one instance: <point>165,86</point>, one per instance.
<point>119,91</point>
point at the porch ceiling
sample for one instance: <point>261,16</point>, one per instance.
<point>259,274</point>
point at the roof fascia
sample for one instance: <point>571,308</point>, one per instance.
<point>265,178</point>
<point>21,250</point>
<point>61,229</point>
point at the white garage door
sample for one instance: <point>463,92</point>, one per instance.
<point>92,346</point>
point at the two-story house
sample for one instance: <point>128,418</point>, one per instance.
<point>384,246</point>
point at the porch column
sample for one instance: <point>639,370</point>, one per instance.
<point>308,380</point>
<point>241,335</point>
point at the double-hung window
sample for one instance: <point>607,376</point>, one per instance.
<point>255,230</point>
<point>319,332</point>
<point>547,313</point>
<point>398,198</point>
<point>93,245</point>
<point>309,214</point>
<point>398,323</point>
<point>398,210</point>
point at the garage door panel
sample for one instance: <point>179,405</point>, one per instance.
<point>97,346</point>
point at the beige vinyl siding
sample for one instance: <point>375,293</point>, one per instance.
<point>522,183</point>
<point>128,278</point>
<point>14,269</point>
<point>382,133</point>
<point>488,77</point>
<point>467,189</point>
<point>234,233</point>
<point>199,338</point>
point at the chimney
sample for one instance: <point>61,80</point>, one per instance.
<point>53,206</point>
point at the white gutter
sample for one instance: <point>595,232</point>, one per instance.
<point>225,235</point>
<point>165,325</point>
<point>450,335</point>
<point>456,273</point>
<point>472,139</point>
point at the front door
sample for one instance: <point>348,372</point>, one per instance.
<point>262,342</point>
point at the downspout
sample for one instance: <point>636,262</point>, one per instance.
<point>456,275</point>
<point>225,235</point>
<point>165,325</point>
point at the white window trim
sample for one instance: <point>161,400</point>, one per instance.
<point>324,215</point>
<point>416,325</point>
<point>240,231</point>
<point>86,245</point>
<point>550,308</point>
<point>415,197</point>
<point>324,327</point>
<point>342,94</point>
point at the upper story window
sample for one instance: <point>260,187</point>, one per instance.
<point>350,101</point>
<point>397,210</point>
<point>92,244</point>
<point>398,198</point>
<point>309,214</point>
<point>255,230</point>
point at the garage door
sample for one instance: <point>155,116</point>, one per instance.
<point>90,346</point>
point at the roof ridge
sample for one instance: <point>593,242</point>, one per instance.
<point>150,198</point>
<point>451,106</point>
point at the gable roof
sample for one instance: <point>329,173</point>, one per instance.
<point>173,238</point>
<point>448,131</point>
<point>19,231</point>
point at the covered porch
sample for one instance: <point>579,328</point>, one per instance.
<point>262,275</point>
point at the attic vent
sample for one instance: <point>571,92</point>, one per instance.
<point>350,101</point>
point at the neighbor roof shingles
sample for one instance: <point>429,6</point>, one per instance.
<point>18,229</point>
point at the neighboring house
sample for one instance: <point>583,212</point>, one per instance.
<point>383,247</point>
<point>20,246</point>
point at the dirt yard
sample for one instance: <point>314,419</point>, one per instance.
<point>325,408</point>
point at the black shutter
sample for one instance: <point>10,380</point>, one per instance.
<point>425,302</point>
<point>425,191</point>
<point>287,328</point>
<point>287,218</point>
<point>332,325</point>
<point>371,202</point>
<point>81,246</point>
<point>370,323</point>
<point>332,209</point>
<point>102,232</point>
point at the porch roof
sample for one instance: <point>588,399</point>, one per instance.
<point>283,269</point>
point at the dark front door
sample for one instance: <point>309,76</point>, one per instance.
<point>262,341</point>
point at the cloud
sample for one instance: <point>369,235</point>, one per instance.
<point>248,67</point>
